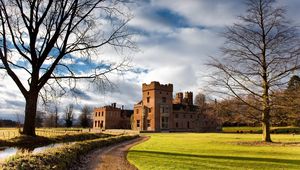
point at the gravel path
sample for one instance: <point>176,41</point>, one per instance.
<point>109,158</point>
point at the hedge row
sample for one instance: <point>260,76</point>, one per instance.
<point>61,157</point>
<point>29,141</point>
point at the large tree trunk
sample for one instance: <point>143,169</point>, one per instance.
<point>30,114</point>
<point>266,137</point>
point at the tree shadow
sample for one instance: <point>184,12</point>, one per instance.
<point>237,158</point>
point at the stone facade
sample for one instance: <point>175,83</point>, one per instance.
<point>111,117</point>
<point>158,111</point>
<point>153,113</point>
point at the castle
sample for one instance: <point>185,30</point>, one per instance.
<point>157,111</point>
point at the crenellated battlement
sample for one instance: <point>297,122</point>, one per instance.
<point>154,85</point>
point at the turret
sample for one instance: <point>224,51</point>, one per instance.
<point>178,98</point>
<point>188,98</point>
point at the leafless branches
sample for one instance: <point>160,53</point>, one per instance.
<point>260,53</point>
<point>60,40</point>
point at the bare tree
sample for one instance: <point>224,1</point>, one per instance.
<point>49,120</point>
<point>85,116</point>
<point>45,42</point>
<point>260,52</point>
<point>69,116</point>
<point>56,116</point>
<point>200,101</point>
<point>39,118</point>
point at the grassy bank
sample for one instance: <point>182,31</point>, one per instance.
<point>9,133</point>
<point>61,157</point>
<point>216,151</point>
<point>31,142</point>
<point>274,130</point>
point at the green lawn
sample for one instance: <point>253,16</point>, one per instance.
<point>215,151</point>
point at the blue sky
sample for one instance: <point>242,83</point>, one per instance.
<point>175,39</point>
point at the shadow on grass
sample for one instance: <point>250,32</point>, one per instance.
<point>237,158</point>
<point>29,141</point>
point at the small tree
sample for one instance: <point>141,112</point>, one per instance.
<point>69,116</point>
<point>40,118</point>
<point>288,102</point>
<point>260,51</point>
<point>200,101</point>
<point>85,116</point>
<point>56,116</point>
<point>49,120</point>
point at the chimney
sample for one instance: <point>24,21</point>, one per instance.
<point>114,105</point>
<point>122,107</point>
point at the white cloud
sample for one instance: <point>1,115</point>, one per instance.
<point>171,53</point>
<point>202,12</point>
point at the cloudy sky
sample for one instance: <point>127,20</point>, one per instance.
<point>175,39</point>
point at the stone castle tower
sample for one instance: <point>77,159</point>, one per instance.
<point>155,109</point>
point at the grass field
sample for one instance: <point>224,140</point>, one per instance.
<point>216,151</point>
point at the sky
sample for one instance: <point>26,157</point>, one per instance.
<point>175,39</point>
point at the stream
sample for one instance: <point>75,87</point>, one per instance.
<point>6,152</point>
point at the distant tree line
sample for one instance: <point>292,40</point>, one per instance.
<point>8,123</point>
<point>66,119</point>
<point>285,104</point>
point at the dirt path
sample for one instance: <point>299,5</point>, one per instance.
<point>109,158</point>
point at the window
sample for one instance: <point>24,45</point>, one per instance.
<point>148,123</point>
<point>137,123</point>
<point>164,99</point>
<point>188,124</point>
<point>176,124</point>
<point>149,110</point>
<point>95,124</point>
<point>191,116</point>
<point>164,122</point>
<point>184,116</point>
<point>162,109</point>
<point>148,93</point>
<point>137,111</point>
<point>101,125</point>
<point>176,115</point>
<point>148,99</point>
<point>102,113</point>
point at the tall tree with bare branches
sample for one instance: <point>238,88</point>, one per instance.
<point>69,115</point>
<point>260,53</point>
<point>44,42</point>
